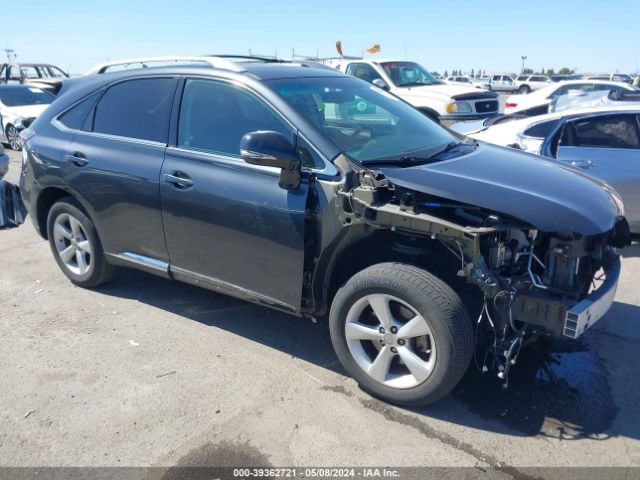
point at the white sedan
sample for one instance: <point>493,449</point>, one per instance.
<point>20,105</point>
<point>537,103</point>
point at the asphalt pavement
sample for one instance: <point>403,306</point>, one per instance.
<point>149,372</point>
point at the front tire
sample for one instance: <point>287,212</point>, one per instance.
<point>401,333</point>
<point>523,90</point>
<point>76,246</point>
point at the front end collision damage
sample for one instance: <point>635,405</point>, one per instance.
<point>531,282</point>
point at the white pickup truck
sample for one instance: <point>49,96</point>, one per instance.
<point>415,85</point>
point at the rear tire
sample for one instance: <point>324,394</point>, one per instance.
<point>76,246</point>
<point>416,364</point>
<point>524,89</point>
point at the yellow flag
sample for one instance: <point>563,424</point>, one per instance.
<point>374,48</point>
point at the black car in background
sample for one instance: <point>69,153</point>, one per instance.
<point>318,194</point>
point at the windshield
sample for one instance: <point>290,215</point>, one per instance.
<point>22,95</point>
<point>362,120</point>
<point>409,74</point>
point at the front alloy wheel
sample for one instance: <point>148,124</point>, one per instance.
<point>390,341</point>
<point>401,333</point>
<point>13,138</point>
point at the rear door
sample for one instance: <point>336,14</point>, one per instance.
<point>113,165</point>
<point>228,225</point>
<point>607,147</point>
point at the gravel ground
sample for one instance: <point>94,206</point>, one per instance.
<point>148,372</point>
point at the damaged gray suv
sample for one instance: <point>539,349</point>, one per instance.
<point>318,194</point>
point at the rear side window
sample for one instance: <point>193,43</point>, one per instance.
<point>136,109</point>
<point>607,131</point>
<point>77,117</point>
<point>214,116</point>
<point>538,79</point>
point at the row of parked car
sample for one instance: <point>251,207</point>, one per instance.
<point>524,84</point>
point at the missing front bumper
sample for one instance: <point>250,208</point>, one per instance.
<point>564,317</point>
<point>587,312</point>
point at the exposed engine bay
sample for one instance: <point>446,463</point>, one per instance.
<point>532,283</point>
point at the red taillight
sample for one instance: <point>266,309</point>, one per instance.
<point>26,135</point>
<point>510,105</point>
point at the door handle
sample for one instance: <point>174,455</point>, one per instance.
<point>178,179</point>
<point>77,158</point>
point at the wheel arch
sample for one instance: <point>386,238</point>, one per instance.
<point>46,199</point>
<point>357,249</point>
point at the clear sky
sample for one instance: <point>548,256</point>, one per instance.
<point>590,35</point>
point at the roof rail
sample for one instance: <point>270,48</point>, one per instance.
<point>215,62</point>
<point>255,58</point>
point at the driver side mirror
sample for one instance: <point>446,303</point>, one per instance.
<point>272,149</point>
<point>378,82</point>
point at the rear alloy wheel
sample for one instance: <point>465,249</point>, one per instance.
<point>401,333</point>
<point>76,246</point>
<point>13,139</point>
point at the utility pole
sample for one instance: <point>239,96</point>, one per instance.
<point>523,59</point>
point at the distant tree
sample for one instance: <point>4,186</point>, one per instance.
<point>446,74</point>
<point>527,71</point>
<point>565,71</point>
<point>435,74</point>
<point>472,74</point>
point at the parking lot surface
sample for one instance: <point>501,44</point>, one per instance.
<point>149,372</point>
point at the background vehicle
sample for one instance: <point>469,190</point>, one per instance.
<point>311,192</point>
<point>537,103</point>
<point>502,83</point>
<point>603,141</point>
<point>415,85</point>
<point>465,81</point>
<point>597,98</point>
<point>20,105</point>
<point>564,78</point>
<point>42,75</point>
<point>613,77</point>
<point>528,83</point>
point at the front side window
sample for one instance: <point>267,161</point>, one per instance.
<point>409,74</point>
<point>607,131</point>
<point>522,78</point>
<point>363,71</point>
<point>363,121</point>
<point>137,109</point>
<point>22,95</point>
<point>214,116</point>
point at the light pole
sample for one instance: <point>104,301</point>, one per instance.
<point>523,59</point>
<point>10,53</point>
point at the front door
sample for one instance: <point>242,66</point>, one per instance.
<point>228,225</point>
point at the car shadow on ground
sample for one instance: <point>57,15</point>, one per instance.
<point>558,389</point>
